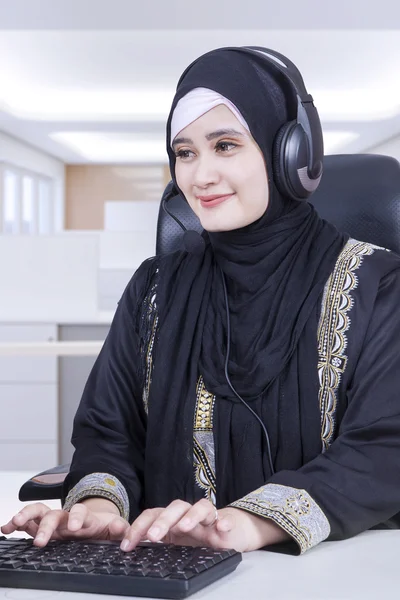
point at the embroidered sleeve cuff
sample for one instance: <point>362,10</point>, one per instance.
<point>292,509</point>
<point>100,485</point>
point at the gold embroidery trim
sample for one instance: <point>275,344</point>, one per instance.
<point>292,509</point>
<point>203,443</point>
<point>149,365</point>
<point>334,322</point>
<point>204,408</point>
<point>99,485</point>
<point>151,316</point>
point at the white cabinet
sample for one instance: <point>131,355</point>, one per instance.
<point>17,456</point>
<point>28,369</point>
<point>28,412</point>
<point>28,402</point>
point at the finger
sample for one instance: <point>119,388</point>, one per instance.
<point>225,524</point>
<point>168,518</point>
<point>117,528</point>
<point>8,527</point>
<point>79,517</point>
<point>195,537</point>
<point>31,528</point>
<point>219,536</point>
<point>139,528</point>
<point>28,513</point>
<point>28,527</point>
<point>201,513</point>
<point>48,525</point>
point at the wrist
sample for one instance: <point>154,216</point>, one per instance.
<point>100,505</point>
<point>266,532</point>
<point>271,532</point>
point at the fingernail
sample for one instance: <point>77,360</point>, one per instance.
<point>74,522</point>
<point>154,531</point>
<point>39,537</point>
<point>125,545</point>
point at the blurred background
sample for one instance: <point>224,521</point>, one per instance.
<point>85,89</point>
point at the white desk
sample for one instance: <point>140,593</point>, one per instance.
<point>363,568</point>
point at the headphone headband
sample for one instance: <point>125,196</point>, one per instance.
<point>299,149</point>
<point>307,115</point>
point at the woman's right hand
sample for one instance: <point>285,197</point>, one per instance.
<point>93,518</point>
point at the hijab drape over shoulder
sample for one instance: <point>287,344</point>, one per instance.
<point>275,271</point>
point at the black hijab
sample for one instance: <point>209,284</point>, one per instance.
<point>275,271</point>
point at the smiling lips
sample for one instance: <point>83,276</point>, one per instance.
<point>210,201</point>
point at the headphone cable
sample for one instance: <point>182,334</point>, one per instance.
<point>228,347</point>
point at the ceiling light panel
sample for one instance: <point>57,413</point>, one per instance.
<point>106,75</point>
<point>100,147</point>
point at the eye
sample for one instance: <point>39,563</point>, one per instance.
<point>182,154</point>
<point>225,146</point>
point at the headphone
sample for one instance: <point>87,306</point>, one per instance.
<point>298,148</point>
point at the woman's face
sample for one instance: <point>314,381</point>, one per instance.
<point>221,171</point>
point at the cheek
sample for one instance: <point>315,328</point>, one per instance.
<point>253,190</point>
<point>193,205</point>
<point>178,176</point>
<point>184,185</point>
<point>253,180</point>
<point>181,172</point>
<point>183,178</point>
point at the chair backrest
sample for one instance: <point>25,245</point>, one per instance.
<point>358,193</point>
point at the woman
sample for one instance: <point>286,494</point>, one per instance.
<point>279,312</point>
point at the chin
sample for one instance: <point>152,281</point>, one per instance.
<point>217,228</point>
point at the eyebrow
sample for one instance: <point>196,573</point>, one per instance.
<point>209,136</point>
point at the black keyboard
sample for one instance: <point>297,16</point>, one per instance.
<point>151,569</point>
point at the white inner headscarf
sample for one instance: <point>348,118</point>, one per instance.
<point>195,104</point>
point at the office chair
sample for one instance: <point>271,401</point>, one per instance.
<point>359,194</point>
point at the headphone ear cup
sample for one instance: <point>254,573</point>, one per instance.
<point>292,160</point>
<point>279,158</point>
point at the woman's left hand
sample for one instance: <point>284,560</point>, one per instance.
<point>195,525</point>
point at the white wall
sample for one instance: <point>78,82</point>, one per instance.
<point>22,155</point>
<point>390,147</point>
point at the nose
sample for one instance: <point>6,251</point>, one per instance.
<point>205,172</point>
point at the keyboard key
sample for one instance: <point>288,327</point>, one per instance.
<point>103,570</point>
<point>33,566</point>
<point>82,569</point>
<point>158,573</point>
<point>136,572</point>
<point>197,568</point>
<point>182,575</point>
<point>117,570</point>
<point>8,556</point>
<point>11,564</point>
<point>64,568</point>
